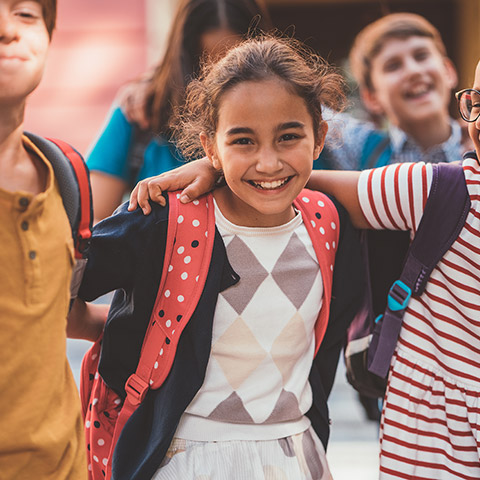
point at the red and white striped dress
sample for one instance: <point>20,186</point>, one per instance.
<point>431,421</point>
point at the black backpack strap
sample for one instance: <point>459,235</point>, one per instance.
<point>73,179</point>
<point>444,216</point>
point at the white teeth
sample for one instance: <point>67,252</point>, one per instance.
<point>419,90</point>
<point>270,185</point>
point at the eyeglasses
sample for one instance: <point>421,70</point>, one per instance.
<point>469,104</point>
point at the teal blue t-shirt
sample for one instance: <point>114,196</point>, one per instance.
<point>110,152</point>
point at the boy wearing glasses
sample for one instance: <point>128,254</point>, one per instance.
<point>405,81</point>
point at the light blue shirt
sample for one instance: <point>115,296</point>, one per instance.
<point>110,152</point>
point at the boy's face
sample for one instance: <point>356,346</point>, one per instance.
<point>24,44</point>
<point>411,81</point>
<point>474,127</point>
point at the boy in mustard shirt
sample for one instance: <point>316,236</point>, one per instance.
<point>41,433</point>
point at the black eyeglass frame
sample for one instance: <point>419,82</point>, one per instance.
<point>458,95</point>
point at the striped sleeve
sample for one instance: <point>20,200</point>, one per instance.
<point>394,197</point>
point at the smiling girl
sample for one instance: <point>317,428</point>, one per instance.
<point>246,395</point>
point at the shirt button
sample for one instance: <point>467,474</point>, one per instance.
<point>32,254</point>
<point>24,201</point>
<point>25,225</point>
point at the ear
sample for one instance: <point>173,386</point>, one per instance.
<point>209,148</point>
<point>370,100</point>
<point>452,76</point>
<point>323,129</point>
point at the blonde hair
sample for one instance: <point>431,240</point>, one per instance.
<point>369,42</point>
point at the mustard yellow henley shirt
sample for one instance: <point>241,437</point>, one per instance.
<point>41,432</point>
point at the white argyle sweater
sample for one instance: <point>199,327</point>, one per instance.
<point>256,385</point>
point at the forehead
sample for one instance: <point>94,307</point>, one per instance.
<point>261,101</point>
<point>397,46</point>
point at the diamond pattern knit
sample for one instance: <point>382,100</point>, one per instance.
<point>263,338</point>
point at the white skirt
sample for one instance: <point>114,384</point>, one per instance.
<point>299,457</point>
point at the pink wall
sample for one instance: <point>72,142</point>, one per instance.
<point>97,46</point>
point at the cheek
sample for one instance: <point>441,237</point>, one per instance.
<point>474,133</point>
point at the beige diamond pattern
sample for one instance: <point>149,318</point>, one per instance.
<point>228,349</point>
<point>290,342</point>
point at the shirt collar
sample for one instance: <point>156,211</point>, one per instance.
<point>401,142</point>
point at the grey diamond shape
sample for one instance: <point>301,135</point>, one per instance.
<point>251,272</point>
<point>296,283</point>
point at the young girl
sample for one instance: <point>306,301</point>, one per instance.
<point>430,424</point>
<point>246,395</point>
<point>135,141</point>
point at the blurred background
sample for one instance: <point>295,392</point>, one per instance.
<point>101,44</point>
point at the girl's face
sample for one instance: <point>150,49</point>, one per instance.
<point>265,145</point>
<point>474,127</point>
<point>217,41</point>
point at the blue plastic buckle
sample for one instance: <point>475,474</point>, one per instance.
<point>399,296</point>
<point>378,318</point>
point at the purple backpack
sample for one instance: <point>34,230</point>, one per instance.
<point>371,339</point>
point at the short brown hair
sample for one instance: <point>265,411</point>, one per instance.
<point>255,60</point>
<point>49,8</point>
<point>369,42</point>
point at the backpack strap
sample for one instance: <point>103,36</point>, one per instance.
<point>188,252</point>
<point>73,179</point>
<point>376,151</point>
<point>323,225</point>
<point>443,218</point>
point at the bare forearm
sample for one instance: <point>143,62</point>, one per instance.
<point>343,186</point>
<point>86,320</point>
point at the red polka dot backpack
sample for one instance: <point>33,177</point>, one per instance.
<point>191,231</point>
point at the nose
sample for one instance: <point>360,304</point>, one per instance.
<point>412,66</point>
<point>8,29</point>
<point>268,160</point>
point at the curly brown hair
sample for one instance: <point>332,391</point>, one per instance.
<point>254,60</point>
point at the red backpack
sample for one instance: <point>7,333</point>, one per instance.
<point>104,411</point>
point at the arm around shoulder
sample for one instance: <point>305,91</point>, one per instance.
<point>343,186</point>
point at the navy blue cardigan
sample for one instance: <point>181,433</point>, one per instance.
<point>126,255</point>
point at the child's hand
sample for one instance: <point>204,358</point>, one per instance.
<point>195,178</point>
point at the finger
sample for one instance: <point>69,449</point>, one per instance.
<point>143,197</point>
<point>155,192</point>
<point>133,204</point>
<point>197,188</point>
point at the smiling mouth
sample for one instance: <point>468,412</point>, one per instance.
<point>273,185</point>
<point>418,91</point>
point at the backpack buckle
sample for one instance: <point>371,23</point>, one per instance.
<point>399,296</point>
<point>136,389</point>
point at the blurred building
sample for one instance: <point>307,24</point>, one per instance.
<point>101,44</point>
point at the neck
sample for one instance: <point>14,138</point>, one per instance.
<point>11,127</point>
<point>430,132</point>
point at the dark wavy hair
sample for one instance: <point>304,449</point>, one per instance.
<point>257,59</point>
<point>181,62</point>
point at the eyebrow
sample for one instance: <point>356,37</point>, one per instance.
<point>282,126</point>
